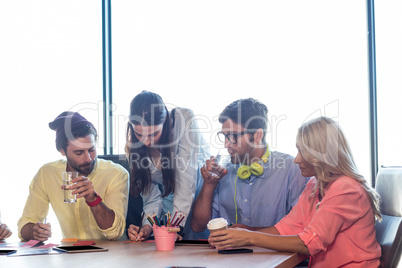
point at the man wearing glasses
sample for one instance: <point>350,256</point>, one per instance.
<point>259,187</point>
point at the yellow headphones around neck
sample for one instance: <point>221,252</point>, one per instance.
<point>245,171</point>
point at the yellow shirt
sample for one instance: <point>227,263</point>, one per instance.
<point>110,182</point>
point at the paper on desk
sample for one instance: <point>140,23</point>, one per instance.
<point>30,243</point>
<point>50,245</point>
<point>33,251</point>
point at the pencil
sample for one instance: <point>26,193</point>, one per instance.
<point>150,220</point>
<point>142,219</point>
<point>44,222</point>
<point>168,221</point>
<point>156,220</point>
<point>181,220</point>
<point>175,222</point>
<point>174,216</point>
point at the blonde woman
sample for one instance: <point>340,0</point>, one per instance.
<point>333,222</point>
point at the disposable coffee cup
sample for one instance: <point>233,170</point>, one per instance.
<point>164,240</point>
<point>217,224</point>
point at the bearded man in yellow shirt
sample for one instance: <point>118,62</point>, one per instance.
<point>101,188</point>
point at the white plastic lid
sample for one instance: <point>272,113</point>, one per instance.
<point>217,223</point>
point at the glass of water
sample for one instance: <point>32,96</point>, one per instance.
<point>67,182</point>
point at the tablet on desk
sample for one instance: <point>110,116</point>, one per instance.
<point>7,251</point>
<point>192,242</point>
<point>78,249</point>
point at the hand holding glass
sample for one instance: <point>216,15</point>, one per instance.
<point>67,182</point>
<point>218,165</point>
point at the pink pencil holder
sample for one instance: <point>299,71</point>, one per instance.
<point>164,240</point>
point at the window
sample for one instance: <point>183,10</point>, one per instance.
<point>298,57</point>
<point>50,62</point>
<point>389,68</point>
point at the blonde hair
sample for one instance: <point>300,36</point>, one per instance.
<point>323,145</point>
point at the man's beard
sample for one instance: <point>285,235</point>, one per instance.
<point>87,168</point>
<point>84,169</point>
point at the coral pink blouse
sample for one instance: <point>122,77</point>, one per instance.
<point>339,231</point>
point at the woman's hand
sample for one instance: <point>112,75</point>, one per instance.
<point>133,234</point>
<point>178,237</point>
<point>230,238</point>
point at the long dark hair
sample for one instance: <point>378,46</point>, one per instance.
<point>148,109</point>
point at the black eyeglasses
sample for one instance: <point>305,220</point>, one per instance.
<point>231,137</point>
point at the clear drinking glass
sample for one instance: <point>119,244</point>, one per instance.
<point>222,160</point>
<point>67,182</point>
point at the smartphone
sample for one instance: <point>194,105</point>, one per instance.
<point>235,251</point>
<point>7,251</point>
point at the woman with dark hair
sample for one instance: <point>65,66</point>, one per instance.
<point>333,222</point>
<point>162,148</point>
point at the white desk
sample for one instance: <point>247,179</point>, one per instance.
<point>143,254</point>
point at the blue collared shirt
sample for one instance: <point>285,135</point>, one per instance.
<point>263,200</point>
